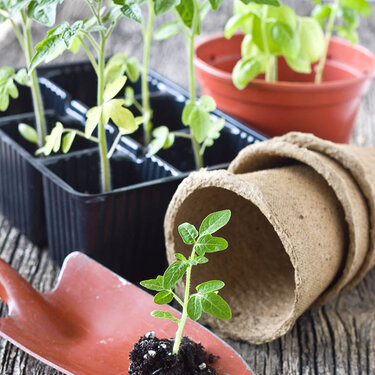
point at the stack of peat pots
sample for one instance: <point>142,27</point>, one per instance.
<point>57,200</point>
<point>302,229</point>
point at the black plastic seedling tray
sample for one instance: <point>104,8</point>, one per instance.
<point>121,229</point>
<point>21,193</point>
<point>124,228</point>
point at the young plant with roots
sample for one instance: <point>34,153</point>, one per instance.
<point>206,298</point>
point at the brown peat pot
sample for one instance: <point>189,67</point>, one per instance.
<point>295,102</point>
<point>88,324</point>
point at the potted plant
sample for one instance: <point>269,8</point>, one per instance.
<point>182,355</point>
<point>21,198</point>
<point>298,100</point>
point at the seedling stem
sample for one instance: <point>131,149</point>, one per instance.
<point>328,35</point>
<point>35,90</point>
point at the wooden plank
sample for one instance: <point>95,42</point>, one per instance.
<point>338,338</point>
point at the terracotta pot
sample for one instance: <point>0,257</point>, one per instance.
<point>294,102</point>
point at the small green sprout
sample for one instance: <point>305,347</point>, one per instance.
<point>206,299</point>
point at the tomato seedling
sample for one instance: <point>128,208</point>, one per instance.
<point>92,34</point>
<point>206,298</point>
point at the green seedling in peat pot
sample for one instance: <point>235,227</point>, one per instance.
<point>206,298</point>
<point>92,34</point>
<point>273,31</point>
<point>133,10</point>
<point>26,11</point>
<point>342,17</point>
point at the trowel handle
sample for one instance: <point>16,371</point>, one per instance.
<point>14,289</point>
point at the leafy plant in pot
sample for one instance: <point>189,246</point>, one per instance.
<point>182,355</point>
<point>297,100</point>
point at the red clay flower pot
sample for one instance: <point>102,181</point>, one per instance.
<point>294,103</point>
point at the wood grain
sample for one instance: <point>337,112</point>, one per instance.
<point>336,339</point>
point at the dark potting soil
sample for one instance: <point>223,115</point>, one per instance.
<point>152,356</point>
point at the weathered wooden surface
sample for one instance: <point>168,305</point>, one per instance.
<point>338,338</point>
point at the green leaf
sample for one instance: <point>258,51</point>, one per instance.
<point>348,34</point>
<point>56,134</point>
<point>236,22</point>
<point>214,221</point>
<point>301,64</point>
<point>173,274</point>
<point>285,37</point>
<point>133,69</point>
<point>207,103</point>
<point>4,101</point>
<point>113,88</point>
<point>199,123</point>
<point>194,307</point>
<point>209,244</point>
<point>6,72</point>
<point>186,113</point>
<point>167,30</point>
<point>349,16</point>
<point>312,38</point>
<point>213,132</point>
<point>201,259</point>
<point>163,6</point>
<point>210,286</point>
<point>129,97</point>
<point>215,4</point>
<point>213,304</point>
<point>265,2</point>
<point>163,297</point>
<point>92,120</point>
<point>28,132</point>
<point>68,141</point>
<point>162,139</point>
<point>186,11</point>
<point>283,14</point>
<point>180,256</point>
<point>132,11</point>
<point>12,89</point>
<point>43,12</point>
<point>15,6</point>
<point>53,140</point>
<point>49,48</point>
<point>153,284</point>
<point>21,77</point>
<point>121,116</point>
<point>115,67</point>
<point>188,233</point>
<point>321,13</point>
<point>363,7</point>
<point>245,71</point>
<point>164,315</point>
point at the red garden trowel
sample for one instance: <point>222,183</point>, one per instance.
<point>88,324</point>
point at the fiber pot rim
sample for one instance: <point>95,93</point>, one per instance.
<point>231,183</point>
<point>226,77</point>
